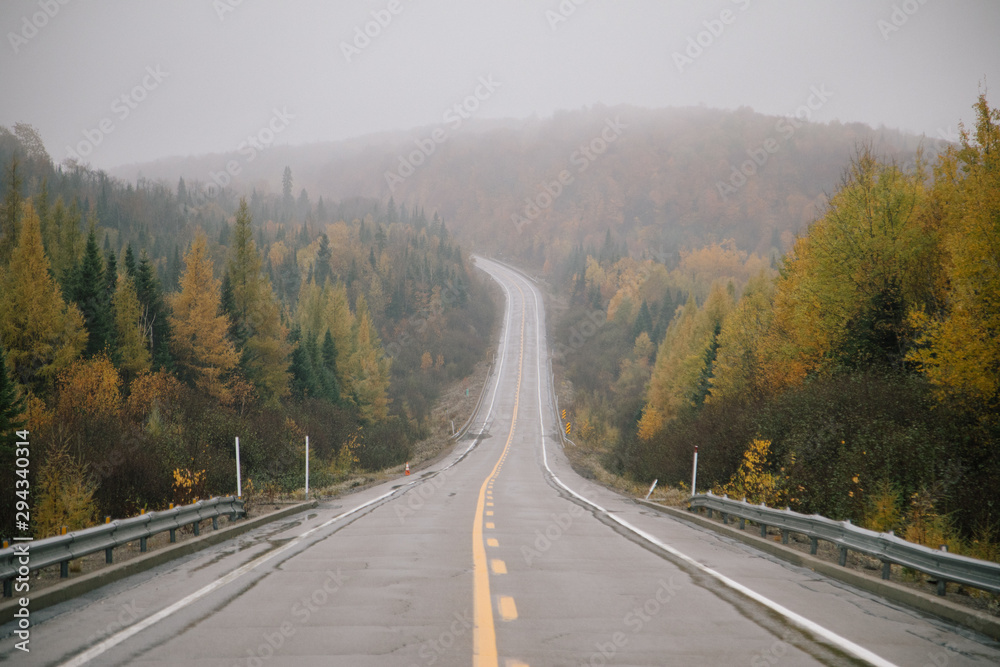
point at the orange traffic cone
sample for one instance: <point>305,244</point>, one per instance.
<point>407,467</point>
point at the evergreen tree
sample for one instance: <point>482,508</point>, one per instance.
<point>303,380</point>
<point>110,274</point>
<point>130,267</point>
<point>89,291</point>
<point>322,272</point>
<point>155,325</point>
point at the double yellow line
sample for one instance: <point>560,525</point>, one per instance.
<point>484,636</point>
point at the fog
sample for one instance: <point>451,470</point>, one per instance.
<point>121,82</point>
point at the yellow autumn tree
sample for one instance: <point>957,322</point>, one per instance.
<point>262,339</point>
<point>369,367</point>
<point>65,495</point>
<point>322,309</point>
<point>200,344</point>
<point>958,350</point>
<point>685,361</point>
<point>130,343</point>
<point>845,289</point>
<point>746,357</point>
<point>41,333</point>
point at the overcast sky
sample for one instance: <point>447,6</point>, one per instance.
<point>200,76</point>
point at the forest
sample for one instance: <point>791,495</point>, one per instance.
<point>143,327</point>
<point>857,377</point>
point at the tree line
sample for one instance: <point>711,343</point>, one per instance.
<point>142,329</point>
<point>858,377</point>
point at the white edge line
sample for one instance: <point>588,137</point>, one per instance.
<point>132,630</point>
<point>802,622</point>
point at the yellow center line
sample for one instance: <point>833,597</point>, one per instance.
<point>484,634</point>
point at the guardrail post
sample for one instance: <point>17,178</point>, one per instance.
<point>109,555</point>
<point>886,569</point>
<point>942,585</point>
<point>173,535</point>
<point>8,588</point>
<point>784,536</point>
<point>215,523</point>
<point>64,570</point>
<point>725,517</point>
<point>843,557</point>
<point>710,513</point>
<point>813,545</point>
<point>142,544</point>
<point>763,530</point>
<point>196,528</point>
<point>743,523</point>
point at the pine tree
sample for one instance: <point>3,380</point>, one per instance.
<point>69,244</point>
<point>155,325</point>
<point>130,267</point>
<point>303,380</point>
<point>41,334</point>
<point>91,297</point>
<point>322,272</point>
<point>200,343</point>
<point>261,337</point>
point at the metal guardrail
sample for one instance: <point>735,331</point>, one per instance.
<point>61,549</point>
<point>457,435</point>
<point>891,550</point>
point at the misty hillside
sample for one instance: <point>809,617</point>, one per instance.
<point>658,179</point>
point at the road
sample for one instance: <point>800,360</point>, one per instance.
<point>497,555</point>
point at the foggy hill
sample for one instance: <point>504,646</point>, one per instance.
<point>664,179</point>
